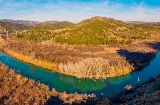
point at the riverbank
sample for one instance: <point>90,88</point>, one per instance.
<point>147,93</point>
<point>98,62</point>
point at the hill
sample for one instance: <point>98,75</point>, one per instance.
<point>52,25</point>
<point>95,31</point>
<point>142,22</point>
<point>43,31</point>
<point>101,30</point>
<point>12,26</point>
<point>49,22</point>
<point>24,22</point>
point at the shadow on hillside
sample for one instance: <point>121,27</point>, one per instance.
<point>155,45</point>
<point>140,59</point>
<point>54,100</point>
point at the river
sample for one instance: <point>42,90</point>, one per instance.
<point>61,83</point>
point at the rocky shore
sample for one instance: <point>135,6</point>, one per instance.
<point>147,94</point>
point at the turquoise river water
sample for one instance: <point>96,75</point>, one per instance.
<point>61,83</point>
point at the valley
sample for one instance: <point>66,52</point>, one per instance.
<point>94,49</point>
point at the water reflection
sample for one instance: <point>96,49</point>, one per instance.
<point>32,69</point>
<point>118,80</point>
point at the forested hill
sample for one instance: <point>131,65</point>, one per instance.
<point>43,31</point>
<point>52,26</point>
<point>96,31</point>
<point>102,30</point>
<point>13,26</point>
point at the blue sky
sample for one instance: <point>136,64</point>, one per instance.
<point>78,10</point>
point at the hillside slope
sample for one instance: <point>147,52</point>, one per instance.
<point>101,30</point>
<point>94,31</point>
<point>24,22</point>
<point>13,26</point>
<point>2,30</point>
<point>53,26</point>
<point>43,32</point>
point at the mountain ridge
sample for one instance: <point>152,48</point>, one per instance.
<point>94,31</point>
<point>102,30</point>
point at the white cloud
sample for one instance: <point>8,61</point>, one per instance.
<point>75,12</point>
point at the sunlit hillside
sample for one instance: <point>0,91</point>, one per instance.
<point>52,26</point>
<point>43,32</point>
<point>101,30</point>
<point>13,26</point>
<point>95,31</point>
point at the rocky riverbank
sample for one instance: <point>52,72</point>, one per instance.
<point>147,93</point>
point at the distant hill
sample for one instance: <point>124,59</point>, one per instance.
<point>52,26</point>
<point>24,22</point>
<point>27,22</point>
<point>49,22</point>
<point>13,26</point>
<point>142,22</point>
<point>43,31</point>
